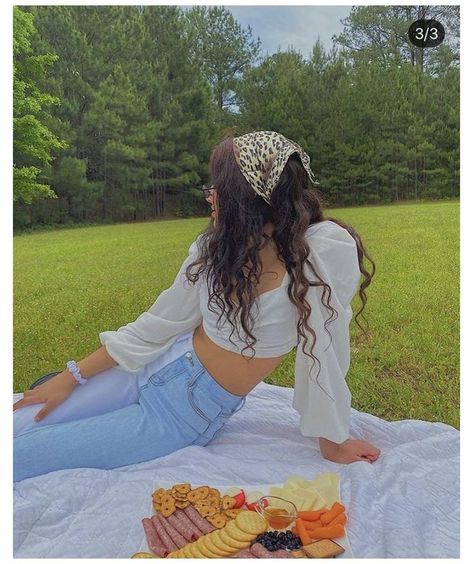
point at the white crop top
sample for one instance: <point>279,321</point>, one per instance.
<point>275,327</point>
<point>325,408</point>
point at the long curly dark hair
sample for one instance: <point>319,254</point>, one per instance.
<point>229,250</point>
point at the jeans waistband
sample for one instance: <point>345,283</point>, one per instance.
<point>200,375</point>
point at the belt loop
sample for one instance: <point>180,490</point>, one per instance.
<point>243,401</point>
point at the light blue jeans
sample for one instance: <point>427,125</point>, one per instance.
<point>119,418</point>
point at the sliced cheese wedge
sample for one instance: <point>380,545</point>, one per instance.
<point>327,484</point>
<point>288,493</point>
<point>297,482</point>
<point>312,499</point>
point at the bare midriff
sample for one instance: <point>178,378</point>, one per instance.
<point>234,372</point>
<point>237,373</point>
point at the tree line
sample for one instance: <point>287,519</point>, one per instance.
<point>116,108</point>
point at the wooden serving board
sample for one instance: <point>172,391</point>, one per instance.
<point>264,488</point>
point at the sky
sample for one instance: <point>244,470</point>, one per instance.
<point>299,26</point>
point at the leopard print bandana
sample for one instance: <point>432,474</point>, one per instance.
<point>262,156</point>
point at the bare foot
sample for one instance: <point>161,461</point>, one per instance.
<point>352,450</point>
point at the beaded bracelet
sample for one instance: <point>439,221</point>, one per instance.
<point>74,370</point>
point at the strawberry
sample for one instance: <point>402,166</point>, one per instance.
<point>239,499</point>
<point>252,506</point>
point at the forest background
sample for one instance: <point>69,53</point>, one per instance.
<point>117,108</point>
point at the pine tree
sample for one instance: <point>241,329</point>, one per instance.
<point>224,51</point>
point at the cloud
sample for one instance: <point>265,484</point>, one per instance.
<point>299,26</point>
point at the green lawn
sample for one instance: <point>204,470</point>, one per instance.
<point>71,284</point>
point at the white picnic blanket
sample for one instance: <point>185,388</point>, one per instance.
<point>405,505</point>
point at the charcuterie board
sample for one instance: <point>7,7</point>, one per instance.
<point>265,489</point>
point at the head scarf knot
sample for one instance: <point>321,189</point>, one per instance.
<point>262,156</point>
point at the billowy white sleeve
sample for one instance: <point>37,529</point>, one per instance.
<point>176,311</point>
<point>325,410</point>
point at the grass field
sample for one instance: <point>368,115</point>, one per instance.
<point>71,284</point>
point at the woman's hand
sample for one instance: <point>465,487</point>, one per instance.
<point>52,393</point>
<point>352,450</point>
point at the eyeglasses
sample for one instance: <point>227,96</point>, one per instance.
<point>207,191</point>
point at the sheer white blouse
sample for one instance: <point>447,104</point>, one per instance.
<point>324,407</point>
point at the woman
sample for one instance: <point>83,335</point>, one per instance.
<point>268,273</point>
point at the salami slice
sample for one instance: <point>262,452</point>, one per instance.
<point>193,529</point>
<point>177,523</point>
<point>165,538</point>
<point>175,535</point>
<point>243,554</point>
<point>281,553</point>
<point>201,523</point>
<point>153,540</point>
<point>260,551</point>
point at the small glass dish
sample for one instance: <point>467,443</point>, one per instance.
<point>279,513</point>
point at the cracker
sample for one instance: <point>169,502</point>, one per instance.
<point>158,493</point>
<point>203,491</point>
<point>168,505</point>
<point>236,533</point>
<point>232,513</point>
<point>201,547</point>
<point>298,553</point>
<point>186,550</point>
<point>231,542</point>
<point>251,522</point>
<point>223,548</point>
<point>206,510</point>
<point>183,504</point>
<point>218,520</point>
<point>209,544</point>
<point>325,548</point>
<point>193,496</point>
<point>228,502</point>
<point>213,502</point>
<point>182,488</point>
